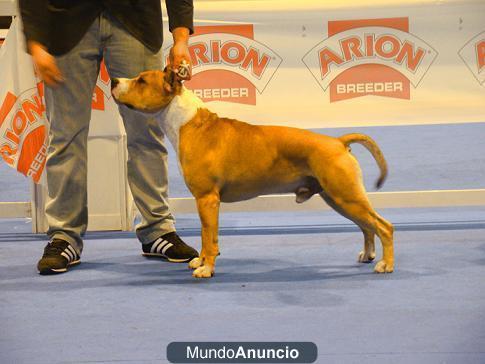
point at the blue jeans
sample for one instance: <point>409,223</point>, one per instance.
<point>69,112</point>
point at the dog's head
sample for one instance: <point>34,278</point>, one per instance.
<point>149,92</point>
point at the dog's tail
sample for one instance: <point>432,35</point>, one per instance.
<point>373,148</point>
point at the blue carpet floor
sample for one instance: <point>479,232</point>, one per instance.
<point>281,276</point>
<point>296,285</point>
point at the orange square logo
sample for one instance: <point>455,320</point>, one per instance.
<point>229,65</point>
<point>369,57</point>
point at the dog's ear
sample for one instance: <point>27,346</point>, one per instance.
<point>171,82</point>
<point>168,78</point>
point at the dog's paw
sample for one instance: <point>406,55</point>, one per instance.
<point>204,271</point>
<point>383,267</point>
<point>366,257</point>
<point>195,263</point>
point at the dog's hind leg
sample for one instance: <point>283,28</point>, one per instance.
<point>208,208</point>
<point>346,194</point>
<point>369,253</point>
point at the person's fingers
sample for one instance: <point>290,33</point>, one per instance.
<point>50,76</point>
<point>49,81</point>
<point>46,67</point>
<point>179,58</point>
<point>56,73</point>
<point>170,56</point>
<point>51,68</point>
<point>182,68</point>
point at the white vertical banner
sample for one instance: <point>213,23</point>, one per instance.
<point>23,122</point>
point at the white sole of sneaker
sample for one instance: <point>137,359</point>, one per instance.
<point>155,255</point>
<point>62,270</point>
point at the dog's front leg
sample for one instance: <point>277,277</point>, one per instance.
<point>208,207</point>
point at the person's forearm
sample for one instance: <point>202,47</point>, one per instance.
<point>181,35</point>
<point>179,54</point>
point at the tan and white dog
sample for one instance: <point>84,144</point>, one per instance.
<point>225,160</point>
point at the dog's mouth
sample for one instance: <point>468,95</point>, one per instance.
<point>141,111</point>
<point>115,98</point>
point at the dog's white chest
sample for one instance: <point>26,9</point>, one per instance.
<point>180,111</point>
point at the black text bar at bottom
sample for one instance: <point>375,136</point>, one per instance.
<point>242,352</point>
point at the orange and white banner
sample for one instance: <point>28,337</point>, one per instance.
<point>229,64</point>
<point>23,122</point>
<point>317,64</point>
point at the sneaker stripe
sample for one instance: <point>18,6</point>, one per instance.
<point>70,253</point>
<point>166,247</point>
<point>161,245</point>
<point>66,255</point>
<point>155,244</point>
<point>74,253</point>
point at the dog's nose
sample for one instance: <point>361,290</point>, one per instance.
<point>114,82</point>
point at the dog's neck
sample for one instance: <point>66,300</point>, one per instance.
<point>177,113</point>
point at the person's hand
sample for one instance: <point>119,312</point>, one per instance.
<point>180,52</point>
<point>45,64</point>
<point>178,55</point>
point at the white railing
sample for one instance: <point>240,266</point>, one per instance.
<point>401,199</point>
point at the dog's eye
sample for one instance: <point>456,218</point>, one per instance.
<point>141,80</point>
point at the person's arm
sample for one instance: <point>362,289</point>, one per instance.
<point>181,24</point>
<point>35,24</point>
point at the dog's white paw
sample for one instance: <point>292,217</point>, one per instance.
<point>195,263</point>
<point>383,267</point>
<point>204,271</point>
<point>366,257</point>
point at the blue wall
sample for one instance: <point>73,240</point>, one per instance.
<point>420,157</point>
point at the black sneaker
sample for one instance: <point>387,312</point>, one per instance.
<point>58,256</point>
<point>171,248</point>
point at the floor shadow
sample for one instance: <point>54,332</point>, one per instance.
<point>127,271</point>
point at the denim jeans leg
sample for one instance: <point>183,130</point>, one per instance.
<point>126,57</point>
<point>69,111</point>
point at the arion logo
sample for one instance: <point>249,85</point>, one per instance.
<point>228,64</point>
<point>473,54</point>
<point>22,127</point>
<point>369,57</point>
